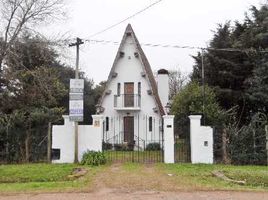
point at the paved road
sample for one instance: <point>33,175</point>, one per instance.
<point>111,194</point>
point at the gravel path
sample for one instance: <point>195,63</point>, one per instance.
<point>112,194</point>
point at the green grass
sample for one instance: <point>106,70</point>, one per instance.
<point>42,177</point>
<point>200,176</point>
<point>34,173</point>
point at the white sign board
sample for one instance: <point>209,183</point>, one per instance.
<point>76,103</point>
<point>76,85</point>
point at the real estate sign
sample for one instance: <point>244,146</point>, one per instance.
<point>76,102</point>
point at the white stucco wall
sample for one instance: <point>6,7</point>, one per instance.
<point>89,138</point>
<point>129,69</point>
<point>201,141</point>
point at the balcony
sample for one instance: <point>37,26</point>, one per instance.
<point>127,102</point>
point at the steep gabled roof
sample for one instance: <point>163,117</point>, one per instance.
<point>145,63</point>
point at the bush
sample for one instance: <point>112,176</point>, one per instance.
<point>153,147</point>
<point>93,158</point>
<point>107,146</point>
<point>124,147</point>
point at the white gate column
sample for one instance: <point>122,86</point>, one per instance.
<point>168,138</point>
<point>201,141</point>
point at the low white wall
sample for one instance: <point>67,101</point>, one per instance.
<point>89,138</point>
<point>168,138</point>
<point>201,141</point>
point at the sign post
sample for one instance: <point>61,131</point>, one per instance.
<point>76,108</point>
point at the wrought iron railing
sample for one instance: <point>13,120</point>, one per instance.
<point>127,101</point>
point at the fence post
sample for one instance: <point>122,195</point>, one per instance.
<point>169,138</point>
<point>49,143</point>
<point>266,130</point>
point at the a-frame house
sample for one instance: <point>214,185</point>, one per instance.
<point>133,102</point>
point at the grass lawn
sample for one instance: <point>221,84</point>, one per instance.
<point>42,177</point>
<point>200,176</point>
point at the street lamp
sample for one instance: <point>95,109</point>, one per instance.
<point>167,108</point>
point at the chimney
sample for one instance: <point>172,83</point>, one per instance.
<point>163,86</point>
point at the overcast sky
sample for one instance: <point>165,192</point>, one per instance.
<point>174,22</point>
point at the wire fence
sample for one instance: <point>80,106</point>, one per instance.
<point>247,146</point>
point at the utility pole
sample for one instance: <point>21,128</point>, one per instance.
<point>266,131</point>
<point>77,44</point>
<point>203,84</point>
<point>49,142</point>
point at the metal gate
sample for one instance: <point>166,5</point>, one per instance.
<point>182,143</point>
<point>142,143</point>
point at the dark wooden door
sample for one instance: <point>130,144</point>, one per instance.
<point>129,129</point>
<point>129,94</point>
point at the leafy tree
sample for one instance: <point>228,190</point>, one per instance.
<point>37,87</point>
<point>190,101</point>
<point>258,89</point>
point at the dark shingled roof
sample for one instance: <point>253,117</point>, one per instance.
<point>146,66</point>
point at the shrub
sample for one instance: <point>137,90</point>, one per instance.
<point>153,147</point>
<point>124,147</point>
<point>107,146</point>
<point>94,158</point>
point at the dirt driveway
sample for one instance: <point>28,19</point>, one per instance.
<point>112,194</point>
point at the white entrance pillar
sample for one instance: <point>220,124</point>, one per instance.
<point>168,138</point>
<point>201,141</point>
<point>98,123</point>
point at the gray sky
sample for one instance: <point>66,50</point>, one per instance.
<point>175,22</point>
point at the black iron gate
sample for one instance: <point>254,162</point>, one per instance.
<point>182,150</point>
<point>141,147</point>
<point>182,143</point>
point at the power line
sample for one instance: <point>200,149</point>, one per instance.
<point>105,42</point>
<point>131,16</point>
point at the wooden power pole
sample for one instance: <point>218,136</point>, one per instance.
<point>77,44</point>
<point>49,142</point>
<point>266,131</point>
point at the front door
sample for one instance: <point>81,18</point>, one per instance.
<point>129,129</point>
<point>129,94</point>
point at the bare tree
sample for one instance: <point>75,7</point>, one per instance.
<point>20,15</point>
<point>177,80</point>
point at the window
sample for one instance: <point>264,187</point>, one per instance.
<point>150,124</point>
<point>55,154</point>
<point>118,89</point>
<point>107,124</point>
<point>139,88</point>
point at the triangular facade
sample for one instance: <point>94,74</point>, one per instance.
<point>130,103</point>
<point>144,62</point>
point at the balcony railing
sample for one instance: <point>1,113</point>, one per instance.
<point>127,101</point>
